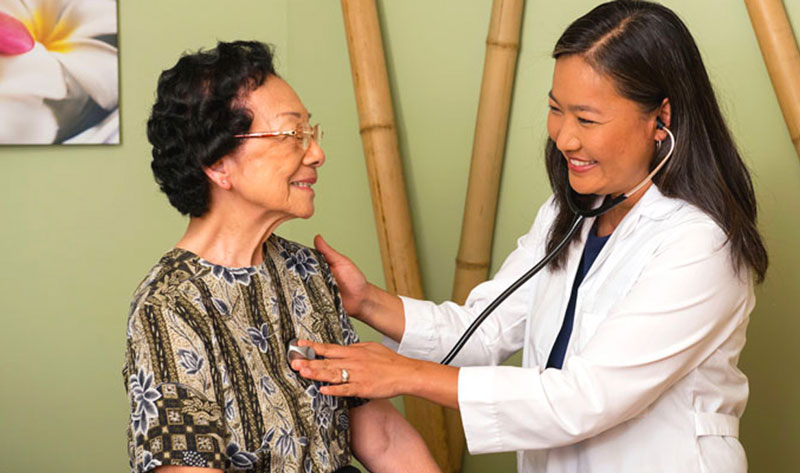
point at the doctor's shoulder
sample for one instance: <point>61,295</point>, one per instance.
<point>688,235</point>
<point>540,227</point>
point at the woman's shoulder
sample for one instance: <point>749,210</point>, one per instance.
<point>680,218</point>
<point>166,279</point>
<point>680,233</point>
<point>541,224</point>
<point>304,265</point>
<point>300,259</point>
<point>308,267</point>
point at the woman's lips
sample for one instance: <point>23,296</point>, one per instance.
<point>580,165</point>
<point>304,184</point>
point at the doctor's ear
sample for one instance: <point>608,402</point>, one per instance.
<point>663,119</point>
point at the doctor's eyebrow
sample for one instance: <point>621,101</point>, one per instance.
<point>574,108</point>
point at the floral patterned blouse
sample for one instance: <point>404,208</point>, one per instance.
<point>206,369</point>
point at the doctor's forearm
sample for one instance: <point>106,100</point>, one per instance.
<point>383,312</point>
<point>435,382</point>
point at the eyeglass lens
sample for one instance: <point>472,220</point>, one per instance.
<point>309,133</point>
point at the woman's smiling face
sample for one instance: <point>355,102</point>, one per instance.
<point>607,139</point>
<point>275,173</point>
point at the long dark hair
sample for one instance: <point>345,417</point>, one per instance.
<point>650,55</point>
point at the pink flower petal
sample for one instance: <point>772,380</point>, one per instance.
<point>14,36</point>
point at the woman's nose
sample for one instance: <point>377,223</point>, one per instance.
<point>567,140</point>
<point>314,156</point>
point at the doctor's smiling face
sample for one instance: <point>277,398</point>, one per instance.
<point>608,140</point>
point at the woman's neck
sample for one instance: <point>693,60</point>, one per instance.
<point>230,237</point>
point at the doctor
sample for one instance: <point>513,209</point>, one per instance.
<point>631,336</point>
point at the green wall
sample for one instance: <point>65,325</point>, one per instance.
<point>81,225</point>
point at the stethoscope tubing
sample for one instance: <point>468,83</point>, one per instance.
<point>580,216</point>
<point>576,224</point>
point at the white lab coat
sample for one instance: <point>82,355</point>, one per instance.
<point>649,382</point>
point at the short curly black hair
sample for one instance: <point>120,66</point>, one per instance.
<point>197,112</point>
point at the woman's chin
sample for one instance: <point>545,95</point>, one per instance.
<point>582,187</point>
<point>306,213</point>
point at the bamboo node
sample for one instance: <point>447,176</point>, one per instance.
<point>377,126</point>
<point>470,264</point>
<point>503,44</point>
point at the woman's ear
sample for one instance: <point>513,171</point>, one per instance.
<point>664,116</point>
<point>218,173</point>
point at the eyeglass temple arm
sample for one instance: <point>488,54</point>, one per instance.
<point>259,134</point>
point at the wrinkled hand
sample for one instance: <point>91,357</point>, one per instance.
<point>376,372</point>
<point>353,285</point>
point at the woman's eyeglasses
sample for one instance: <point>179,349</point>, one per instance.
<point>303,133</point>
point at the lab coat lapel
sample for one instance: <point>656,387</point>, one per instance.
<point>653,204</point>
<point>575,250</point>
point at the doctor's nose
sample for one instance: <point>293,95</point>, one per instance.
<point>566,140</point>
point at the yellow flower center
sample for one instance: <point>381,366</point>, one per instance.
<point>52,30</point>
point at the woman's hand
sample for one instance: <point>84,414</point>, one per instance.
<point>353,285</point>
<point>376,372</point>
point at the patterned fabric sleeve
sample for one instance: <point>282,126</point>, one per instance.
<point>174,417</point>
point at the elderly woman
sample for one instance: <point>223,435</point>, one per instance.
<point>206,369</point>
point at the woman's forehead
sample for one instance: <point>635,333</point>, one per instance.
<point>572,74</point>
<point>276,102</point>
<point>576,83</point>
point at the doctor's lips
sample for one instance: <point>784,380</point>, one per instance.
<point>579,164</point>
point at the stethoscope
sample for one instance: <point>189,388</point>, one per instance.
<point>580,216</point>
<point>294,351</point>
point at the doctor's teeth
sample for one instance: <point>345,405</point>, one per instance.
<point>301,184</point>
<point>578,162</point>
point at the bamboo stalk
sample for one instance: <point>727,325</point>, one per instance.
<point>387,186</point>
<point>779,48</point>
<point>480,207</point>
<point>502,44</point>
<point>379,138</point>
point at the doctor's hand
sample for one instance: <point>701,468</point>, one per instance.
<point>376,372</point>
<point>353,285</point>
<point>362,300</point>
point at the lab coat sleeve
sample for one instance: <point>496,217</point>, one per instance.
<point>688,300</point>
<point>432,330</point>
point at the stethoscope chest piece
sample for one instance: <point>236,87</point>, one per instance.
<point>296,352</point>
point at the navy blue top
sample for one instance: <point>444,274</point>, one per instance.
<point>593,246</point>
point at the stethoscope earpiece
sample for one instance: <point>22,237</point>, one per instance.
<point>580,216</point>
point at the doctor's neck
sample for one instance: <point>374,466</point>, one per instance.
<point>609,221</point>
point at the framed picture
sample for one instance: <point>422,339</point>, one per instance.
<point>59,79</point>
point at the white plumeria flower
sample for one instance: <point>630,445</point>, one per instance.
<point>63,60</point>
